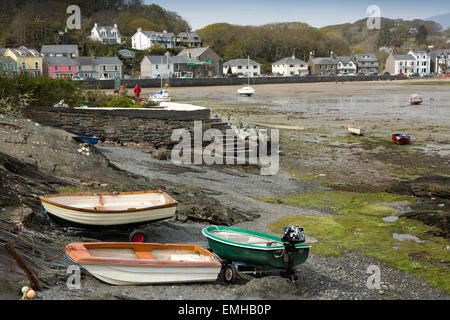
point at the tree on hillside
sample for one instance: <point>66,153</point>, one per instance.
<point>422,34</point>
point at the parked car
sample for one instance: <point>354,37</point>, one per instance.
<point>307,75</point>
<point>400,74</point>
<point>359,74</point>
<point>201,76</point>
<point>218,76</point>
<point>386,74</point>
<point>415,74</point>
<point>372,74</point>
<point>77,78</point>
<point>429,75</point>
<point>232,76</point>
<point>295,75</point>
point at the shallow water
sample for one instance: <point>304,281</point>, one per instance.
<point>405,236</point>
<point>390,219</point>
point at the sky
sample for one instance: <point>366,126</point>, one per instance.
<point>319,13</point>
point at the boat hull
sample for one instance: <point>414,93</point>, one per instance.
<point>140,275</point>
<point>401,139</point>
<point>257,255</point>
<point>90,220</point>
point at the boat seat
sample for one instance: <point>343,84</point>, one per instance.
<point>145,255</point>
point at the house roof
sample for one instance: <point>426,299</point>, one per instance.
<point>193,52</point>
<point>25,52</point>
<point>324,60</point>
<point>108,30</point>
<point>159,35</point>
<point>2,51</point>
<point>189,37</point>
<point>108,60</point>
<point>60,61</point>
<point>289,60</point>
<point>83,61</point>
<point>436,53</point>
<point>365,57</point>
<point>240,62</point>
<point>403,57</point>
<point>344,59</point>
<point>172,59</point>
<point>64,48</point>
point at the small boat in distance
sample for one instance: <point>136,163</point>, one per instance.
<point>109,210</point>
<point>86,137</point>
<point>415,99</point>
<point>161,96</point>
<point>145,263</point>
<point>247,91</point>
<point>401,138</point>
<point>356,130</point>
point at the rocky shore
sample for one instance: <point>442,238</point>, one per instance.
<point>37,159</point>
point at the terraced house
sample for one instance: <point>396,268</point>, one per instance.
<point>189,40</point>
<point>322,66</point>
<point>59,67</point>
<point>64,50</point>
<point>423,61</point>
<point>28,60</point>
<point>345,66</point>
<point>400,64</point>
<point>109,67</point>
<point>366,62</point>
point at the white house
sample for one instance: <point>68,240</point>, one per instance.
<point>423,61</point>
<point>248,67</point>
<point>105,34</point>
<point>142,40</point>
<point>441,61</point>
<point>157,67</point>
<point>346,66</point>
<point>290,66</point>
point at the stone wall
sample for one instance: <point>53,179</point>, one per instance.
<point>156,83</point>
<point>130,130</point>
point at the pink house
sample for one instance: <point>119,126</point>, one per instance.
<point>60,67</point>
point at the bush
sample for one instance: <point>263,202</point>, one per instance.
<point>22,90</point>
<point>121,102</point>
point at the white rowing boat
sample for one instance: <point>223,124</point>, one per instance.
<point>109,210</point>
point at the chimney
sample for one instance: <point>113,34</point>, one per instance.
<point>115,25</point>
<point>311,55</point>
<point>95,25</point>
<point>332,54</point>
<point>139,30</point>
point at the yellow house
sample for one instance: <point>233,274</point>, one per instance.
<point>28,60</point>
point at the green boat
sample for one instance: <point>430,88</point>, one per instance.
<point>256,248</point>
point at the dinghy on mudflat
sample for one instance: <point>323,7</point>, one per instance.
<point>145,263</point>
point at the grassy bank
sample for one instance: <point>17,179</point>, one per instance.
<point>428,83</point>
<point>358,226</point>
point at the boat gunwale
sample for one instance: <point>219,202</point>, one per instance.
<point>86,258</point>
<point>170,201</point>
<point>207,234</point>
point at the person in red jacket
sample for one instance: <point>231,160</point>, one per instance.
<point>137,91</point>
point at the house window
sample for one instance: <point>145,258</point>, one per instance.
<point>156,67</point>
<point>115,68</point>
<point>291,66</point>
<point>56,68</point>
<point>36,65</point>
<point>104,68</point>
<point>70,68</point>
<point>239,67</point>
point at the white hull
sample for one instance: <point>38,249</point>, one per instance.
<point>356,130</point>
<point>132,275</point>
<point>109,219</point>
<point>246,91</point>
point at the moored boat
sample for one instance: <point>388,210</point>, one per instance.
<point>401,138</point>
<point>253,247</point>
<point>356,130</point>
<point>162,96</point>
<point>415,99</point>
<point>109,210</point>
<point>145,263</point>
<point>246,91</point>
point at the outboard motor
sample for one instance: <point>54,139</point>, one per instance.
<point>292,236</point>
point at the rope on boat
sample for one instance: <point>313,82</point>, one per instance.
<point>66,250</point>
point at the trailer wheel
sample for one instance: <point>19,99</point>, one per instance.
<point>229,273</point>
<point>137,236</point>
